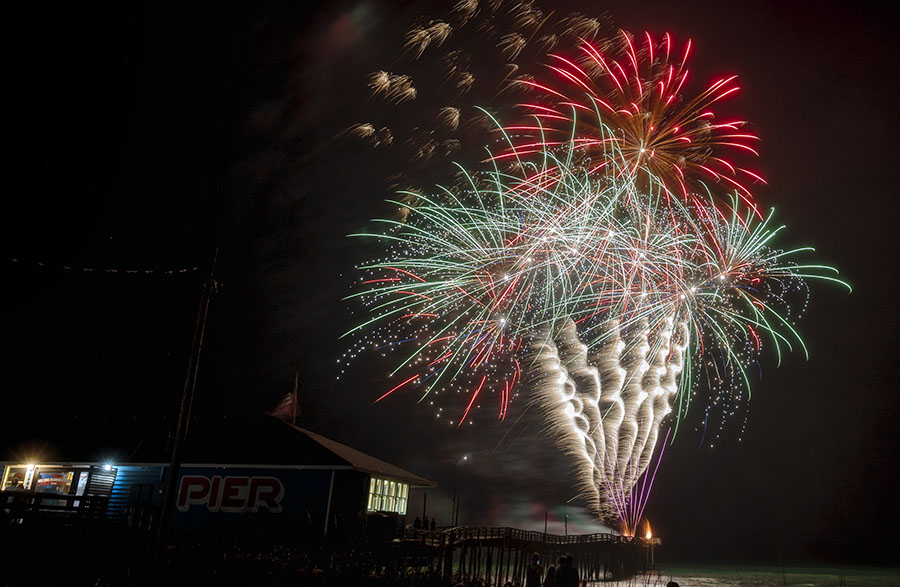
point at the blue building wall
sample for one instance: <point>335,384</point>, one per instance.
<point>127,477</point>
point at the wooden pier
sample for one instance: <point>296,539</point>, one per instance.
<point>497,555</point>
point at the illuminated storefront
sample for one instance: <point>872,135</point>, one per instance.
<point>57,479</point>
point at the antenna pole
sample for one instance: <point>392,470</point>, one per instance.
<point>187,399</point>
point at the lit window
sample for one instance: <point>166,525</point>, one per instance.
<point>387,496</point>
<point>17,478</point>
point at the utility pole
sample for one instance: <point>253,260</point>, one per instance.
<point>187,399</point>
<point>295,398</point>
<point>544,545</point>
<point>453,509</point>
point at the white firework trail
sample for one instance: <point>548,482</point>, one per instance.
<point>605,410</point>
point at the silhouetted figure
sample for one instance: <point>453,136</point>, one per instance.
<point>425,523</point>
<point>534,574</point>
<point>433,525</point>
<point>17,509</point>
<point>417,523</point>
<point>550,578</point>
<point>672,584</point>
<point>566,574</point>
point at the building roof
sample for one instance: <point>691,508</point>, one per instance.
<point>367,463</point>
<point>259,441</point>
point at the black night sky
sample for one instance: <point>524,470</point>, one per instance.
<point>143,138</point>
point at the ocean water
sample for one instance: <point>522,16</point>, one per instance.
<point>731,576</point>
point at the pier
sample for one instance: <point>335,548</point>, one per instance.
<point>498,554</point>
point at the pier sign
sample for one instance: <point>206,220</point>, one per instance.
<point>231,494</point>
<point>217,497</point>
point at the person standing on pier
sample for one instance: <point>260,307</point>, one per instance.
<point>535,573</point>
<point>550,578</point>
<point>567,574</point>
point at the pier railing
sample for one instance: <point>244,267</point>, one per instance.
<point>500,554</point>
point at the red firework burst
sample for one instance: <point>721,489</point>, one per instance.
<point>629,95</point>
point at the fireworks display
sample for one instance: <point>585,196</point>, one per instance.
<point>608,260</point>
<point>561,279</point>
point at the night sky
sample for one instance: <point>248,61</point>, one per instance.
<point>141,138</point>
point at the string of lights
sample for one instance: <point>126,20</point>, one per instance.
<point>72,268</point>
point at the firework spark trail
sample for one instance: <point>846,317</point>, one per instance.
<point>395,88</point>
<point>637,87</point>
<point>420,38</point>
<point>606,411</point>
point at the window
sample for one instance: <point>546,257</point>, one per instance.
<point>54,481</point>
<point>18,478</point>
<point>387,496</point>
<point>61,480</point>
